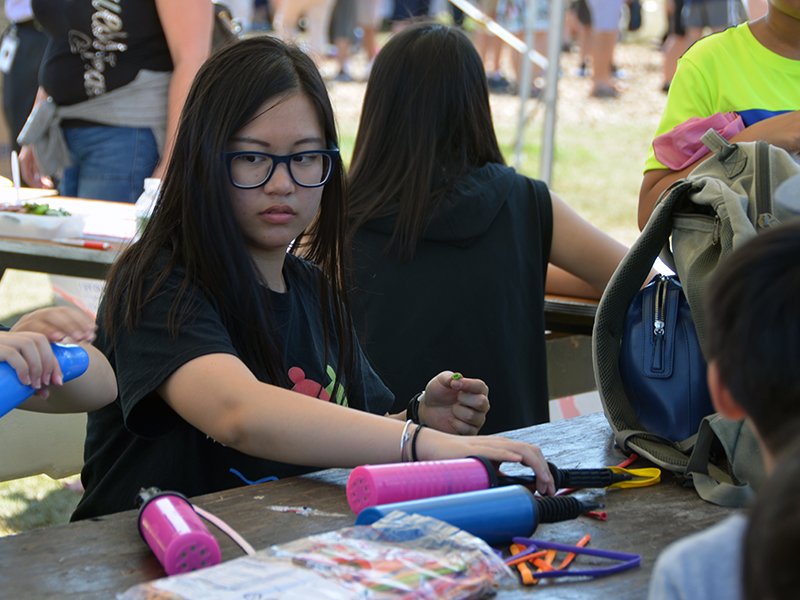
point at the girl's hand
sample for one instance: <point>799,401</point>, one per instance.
<point>454,404</point>
<point>58,323</point>
<point>433,445</point>
<point>27,346</point>
<point>31,356</point>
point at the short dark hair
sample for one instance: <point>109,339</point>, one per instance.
<point>772,542</point>
<point>426,121</point>
<point>753,312</point>
<point>194,225</point>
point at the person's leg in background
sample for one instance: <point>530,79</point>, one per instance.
<point>702,16</point>
<point>675,44</point>
<point>514,20</point>
<point>318,18</point>
<point>369,17</point>
<point>496,47</point>
<point>342,27</point>
<point>490,49</point>
<point>571,26</point>
<point>584,17</point>
<point>510,15</point>
<point>605,31</point>
<point>317,14</point>
<point>541,26</point>
<point>108,163</point>
<point>285,17</point>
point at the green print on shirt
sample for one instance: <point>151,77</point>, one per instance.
<point>340,397</point>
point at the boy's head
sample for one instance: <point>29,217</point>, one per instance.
<point>772,542</point>
<point>753,335</point>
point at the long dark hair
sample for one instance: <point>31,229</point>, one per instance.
<point>426,122</point>
<point>193,223</point>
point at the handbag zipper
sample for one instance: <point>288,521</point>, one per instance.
<point>659,323</point>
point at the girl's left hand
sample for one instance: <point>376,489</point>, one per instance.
<point>58,323</point>
<point>454,404</point>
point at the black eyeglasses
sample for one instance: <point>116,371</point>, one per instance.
<point>248,170</point>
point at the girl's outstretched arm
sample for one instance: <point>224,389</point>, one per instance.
<point>27,349</point>
<point>220,396</point>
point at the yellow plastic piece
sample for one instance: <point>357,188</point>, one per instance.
<point>644,477</point>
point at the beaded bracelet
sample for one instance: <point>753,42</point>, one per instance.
<point>412,411</point>
<point>414,457</point>
<point>404,440</point>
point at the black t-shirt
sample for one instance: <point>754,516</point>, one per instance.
<point>139,441</point>
<point>471,299</point>
<point>96,50</point>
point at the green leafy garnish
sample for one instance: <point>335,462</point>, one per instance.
<point>33,208</point>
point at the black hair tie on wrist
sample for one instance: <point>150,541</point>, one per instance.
<point>414,457</point>
<point>412,410</point>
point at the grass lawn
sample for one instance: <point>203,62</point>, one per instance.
<point>35,502</point>
<point>607,198</point>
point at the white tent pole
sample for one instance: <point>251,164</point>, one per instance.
<point>524,85</point>
<point>551,89</point>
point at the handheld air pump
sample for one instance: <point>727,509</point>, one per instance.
<point>72,359</point>
<point>496,515</point>
<point>370,485</point>
<point>175,533</point>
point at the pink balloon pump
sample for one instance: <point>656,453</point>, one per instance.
<point>72,359</point>
<point>373,485</point>
<point>175,533</point>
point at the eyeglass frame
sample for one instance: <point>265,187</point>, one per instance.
<point>332,152</point>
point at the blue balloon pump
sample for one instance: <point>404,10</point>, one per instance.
<point>496,515</point>
<point>73,360</point>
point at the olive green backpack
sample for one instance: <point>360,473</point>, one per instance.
<point>696,223</point>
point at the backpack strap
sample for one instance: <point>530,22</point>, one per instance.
<point>609,326</point>
<point>623,438</point>
<point>730,158</point>
<point>713,484</point>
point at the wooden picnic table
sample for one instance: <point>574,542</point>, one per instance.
<point>101,557</point>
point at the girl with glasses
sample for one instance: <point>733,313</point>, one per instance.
<point>444,230</point>
<point>235,358</point>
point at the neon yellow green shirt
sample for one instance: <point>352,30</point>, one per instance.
<point>729,71</point>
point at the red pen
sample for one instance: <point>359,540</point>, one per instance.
<point>84,243</point>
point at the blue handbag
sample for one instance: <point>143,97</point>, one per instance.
<point>661,364</point>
